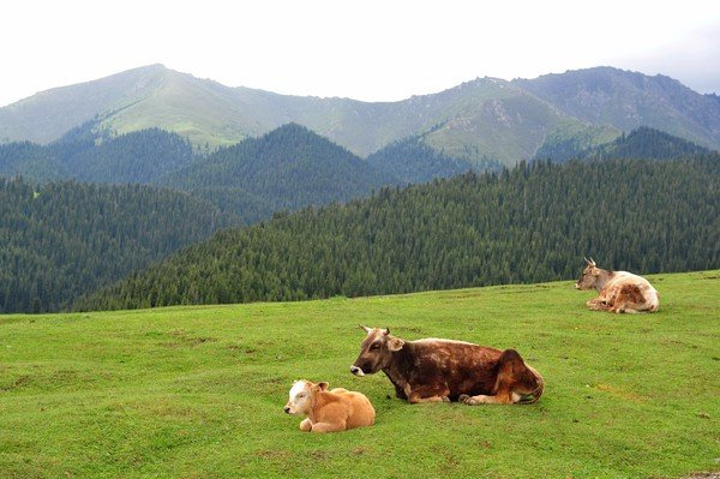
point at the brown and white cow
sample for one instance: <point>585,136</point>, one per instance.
<point>620,291</point>
<point>430,370</point>
<point>329,410</point>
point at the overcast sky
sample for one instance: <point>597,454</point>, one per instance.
<point>384,50</point>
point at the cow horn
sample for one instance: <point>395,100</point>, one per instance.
<point>365,328</point>
<point>386,332</point>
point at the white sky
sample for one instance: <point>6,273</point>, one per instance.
<point>372,50</point>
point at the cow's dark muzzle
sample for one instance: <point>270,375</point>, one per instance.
<point>357,371</point>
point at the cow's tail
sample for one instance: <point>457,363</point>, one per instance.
<point>534,396</point>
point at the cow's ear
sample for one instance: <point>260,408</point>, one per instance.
<point>595,272</point>
<point>365,328</point>
<point>395,344</point>
<point>323,385</point>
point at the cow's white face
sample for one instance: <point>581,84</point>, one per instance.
<point>376,351</point>
<point>299,400</point>
<point>302,396</point>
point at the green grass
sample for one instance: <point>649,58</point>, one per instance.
<point>197,392</point>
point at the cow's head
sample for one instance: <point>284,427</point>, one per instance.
<point>376,351</point>
<point>589,277</point>
<point>302,394</point>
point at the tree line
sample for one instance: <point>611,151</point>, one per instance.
<point>528,224</point>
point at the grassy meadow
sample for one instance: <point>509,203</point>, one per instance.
<point>198,392</point>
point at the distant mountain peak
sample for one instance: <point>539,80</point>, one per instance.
<point>483,119</point>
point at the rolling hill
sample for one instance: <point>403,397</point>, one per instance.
<point>482,120</point>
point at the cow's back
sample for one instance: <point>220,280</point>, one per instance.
<point>466,368</point>
<point>360,411</point>
<point>631,292</point>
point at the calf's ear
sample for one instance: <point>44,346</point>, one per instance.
<point>323,385</point>
<point>395,344</point>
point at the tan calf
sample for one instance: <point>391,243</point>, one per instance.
<point>329,410</point>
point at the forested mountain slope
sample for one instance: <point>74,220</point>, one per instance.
<point>286,169</point>
<point>530,224</point>
<point>141,157</point>
<point>411,161</point>
<point>643,143</point>
<point>64,239</point>
<point>30,160</point>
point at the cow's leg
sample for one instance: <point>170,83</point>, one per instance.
<point>306,425</point>
<point>428,394</point>
<point>329,426</point>
<point>504,397</point>
<point>399,393</point>
<point>516,382</point>
<point>629,299</point>
<point>621,308</point>
<point>599,304</point>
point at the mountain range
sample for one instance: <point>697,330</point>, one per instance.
<point>113,175</point>
<point>486,119</point>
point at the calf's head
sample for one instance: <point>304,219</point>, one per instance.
<point>302,395</point>
<point>589,277</point>
<point>376,351</point>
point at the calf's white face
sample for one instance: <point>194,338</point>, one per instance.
<point>299,401</point>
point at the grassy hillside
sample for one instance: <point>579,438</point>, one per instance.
<point>203,111</point>
<point>198,391</point>
<point>48,115</point>
<point>495,120</point>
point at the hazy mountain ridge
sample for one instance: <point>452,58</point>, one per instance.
<point>483,119</point>
<point>629,100</point>
<point>48,115</point>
